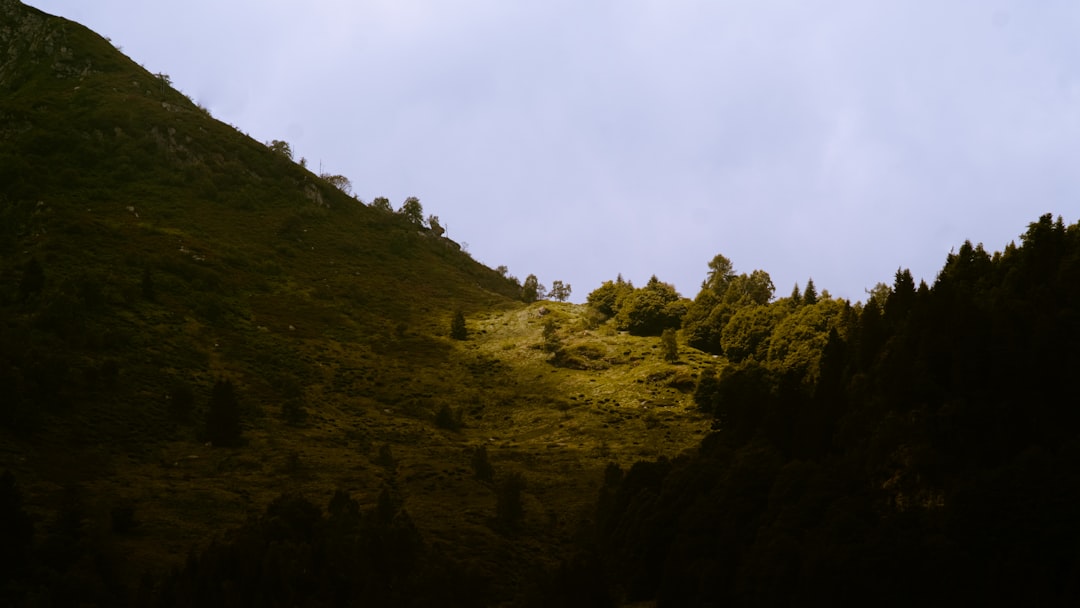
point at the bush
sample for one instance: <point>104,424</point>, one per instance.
<point>670,344</point>
<point>458,330</point>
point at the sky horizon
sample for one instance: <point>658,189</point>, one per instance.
<point>839,141</point>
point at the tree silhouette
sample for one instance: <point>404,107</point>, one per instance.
<point>413,211</point>
<point>532,290</point>
<point>559,291</point>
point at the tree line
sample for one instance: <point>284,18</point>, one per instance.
<point>918,449</point>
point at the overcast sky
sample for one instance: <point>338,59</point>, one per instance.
<point>580,139</point>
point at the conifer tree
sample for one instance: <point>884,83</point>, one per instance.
<point>810,295</point>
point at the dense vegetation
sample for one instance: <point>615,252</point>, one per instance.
<point>225,381</point>
<point>928,454</point>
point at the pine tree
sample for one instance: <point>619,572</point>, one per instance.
<point>810,295</point>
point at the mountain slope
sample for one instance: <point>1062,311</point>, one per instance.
<point>151,255</point>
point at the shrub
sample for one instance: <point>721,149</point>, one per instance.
<point>458,330</point>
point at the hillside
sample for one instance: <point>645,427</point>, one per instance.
<point>226,382</point>
<point>152,255</point>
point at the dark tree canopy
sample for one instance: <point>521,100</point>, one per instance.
<point>413,211</point>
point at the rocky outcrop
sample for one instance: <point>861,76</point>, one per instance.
<point>30,39</point>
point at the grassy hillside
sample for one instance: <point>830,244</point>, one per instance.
<point>148,251</point>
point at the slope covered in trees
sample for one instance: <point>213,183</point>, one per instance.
<point>931,457</point>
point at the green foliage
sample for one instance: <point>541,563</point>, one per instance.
<point>458,329</point>
<point>381,203</point>
<point>748,332</point>
<point>608,297</point>
<point>931,422</point>
<point>810,296</point>
<point>412,211</point>
<point>722,296</point>
<point>435,225</point>
<point>552,342</point>
<point>797,341</point>
<point>338,181</point>
<point>560,292</point>
<point>670,343</point>
<point>650,310</point>
<point>721,272</point>
<point>532,290</point>
<point>283,148</point>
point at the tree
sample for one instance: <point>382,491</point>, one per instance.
<point>382,204</point>
<point>436,228</point>
<point>559,291</point>
<point>413,211</point>
<point>552,342</point>
<point>607,298</point>
<point>338,181</point>
<point>532,290</point>
<point>721,271</point>
<point>670,344</point>
<point>810,295</point>
<point>458,330</point>
<point>223,416</point>
<point>281,147</point>
<point>651,309</point>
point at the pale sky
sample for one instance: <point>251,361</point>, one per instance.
<point>576,140</point>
